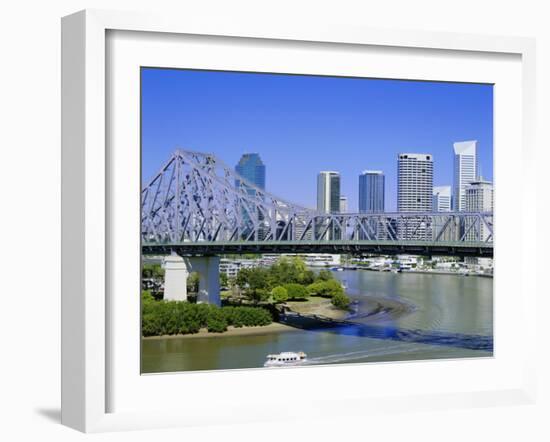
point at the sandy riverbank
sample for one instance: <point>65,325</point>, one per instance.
<point>231,331</point>
<point>371,307</point>
<point>317,305</point>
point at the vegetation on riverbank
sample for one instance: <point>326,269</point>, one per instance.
<point>289,279</point>
<point>179,317</point>
<point>256,294</point>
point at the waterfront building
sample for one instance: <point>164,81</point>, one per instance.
<point>328,198</point>
<point>251,168</point>
<point>465,171</point>
<point>343,204</point>
<point>371,200</point>
<point>441,200</point>
<point>414,193</point>
<point>231,267</point>
<point>310,259</point>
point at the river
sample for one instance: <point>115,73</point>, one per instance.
<point>448,316</point>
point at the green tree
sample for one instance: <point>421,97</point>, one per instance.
<point>296,291</point>
<point>224,280</point>
<point>146,297</point>
<point>242,278</point>
<point>216,321</point>
<point>325,275</point>
<point>257,279</point>
<point>328,288</point>
<point>257,295</point>
<point>340,301</point>
<point>152,271</point>
<point>279,294</point>
<point>193,282</point>
<point>333,287</point>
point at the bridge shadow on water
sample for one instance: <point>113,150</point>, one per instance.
<point>349,328</point>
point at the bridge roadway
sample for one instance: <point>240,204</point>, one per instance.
<point>358,247</point>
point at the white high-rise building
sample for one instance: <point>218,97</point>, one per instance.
<point>328,201</point>
<point>343,204</point>
<point>441,201</point>
<point>465,171</point>
<point>328,192</point>
<point>479,198</point>
<point>414,192</point>
<point>414,182</point>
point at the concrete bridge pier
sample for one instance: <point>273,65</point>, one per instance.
<point>208,268</point>
<point>175,278</point>
<point>177,269</point>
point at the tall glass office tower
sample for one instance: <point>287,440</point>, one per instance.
<point>252,168</point>
<point>465,171</point>
<point>371,191</point>
<point>371,200</point>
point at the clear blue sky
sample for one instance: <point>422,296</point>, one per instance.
<point>303,124</point>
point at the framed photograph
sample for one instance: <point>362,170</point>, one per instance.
<point>268,218</point>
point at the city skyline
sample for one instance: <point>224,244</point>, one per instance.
<point>372,185</point>
<point>301,125</point>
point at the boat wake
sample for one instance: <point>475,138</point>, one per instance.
<point>362,355</point>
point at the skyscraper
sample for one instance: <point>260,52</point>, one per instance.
<point>414,193</point>
<point>371,191</point>
<point>328,201</point>
<point>441,199</point>
<point>414,182</point>
<point>328,192</point>
<point>465,171</point>
<point>252,168</point>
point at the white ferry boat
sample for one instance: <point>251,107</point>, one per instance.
<point>284,359</point>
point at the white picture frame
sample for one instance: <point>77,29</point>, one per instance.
<point>87,205</point>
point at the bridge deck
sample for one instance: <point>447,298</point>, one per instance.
<point>458,248</point>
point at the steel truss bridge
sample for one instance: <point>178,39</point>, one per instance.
<point>198,205</point>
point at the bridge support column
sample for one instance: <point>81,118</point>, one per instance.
<point>208,268</point>
<point>175,278</point>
